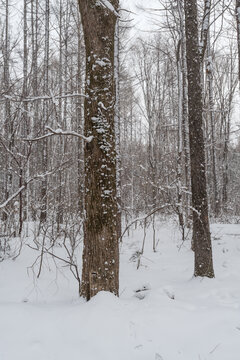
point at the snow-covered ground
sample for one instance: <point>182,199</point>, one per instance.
<point>174,317</point>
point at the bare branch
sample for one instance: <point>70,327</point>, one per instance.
<point>143,218</point>
<point>26,182</point>
<point>42,97</point>
<point>60,132</point>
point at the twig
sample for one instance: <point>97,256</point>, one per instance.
<point>143,218</point>
<point>26,182</point>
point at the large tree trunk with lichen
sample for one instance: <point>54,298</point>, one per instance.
<point>201,232</point>
<point>100,254</point>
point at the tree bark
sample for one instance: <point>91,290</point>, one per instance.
<point>201,232</point>
<point>100,254</point>
<point>117,127</point>
<point>238,34</point>
<point>209,70</point>
<point>185,127</point>
<point>44,185</point>
<point>8,122</point>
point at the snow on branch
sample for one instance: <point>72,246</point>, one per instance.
<point>61,132</point>
<point>6,202</point>
<point>42,97</point>
<point>107,5</point>
<point>28,181</point>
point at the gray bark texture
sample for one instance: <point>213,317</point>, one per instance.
<point>238,33</point>
<point>100,254</point>
<point>201,232</point>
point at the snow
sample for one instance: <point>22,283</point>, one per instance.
<point>107,5</point>
<point>102,62</point>
<point>162,312</point>
<point>142,18</point>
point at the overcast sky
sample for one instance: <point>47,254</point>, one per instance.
<point>141,19</point>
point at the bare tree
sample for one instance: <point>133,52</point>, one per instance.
<point>43,214</point>
<point>238,33</point>
<point>201,232</point>
<point>100,253</point>
<point>211,114</point>
<point>8,125</point>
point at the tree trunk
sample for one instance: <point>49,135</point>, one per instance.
<point>216,204</point>
<point>201,232</point>
<point>8,125</point>
<point>60,196</point>
<point>44,185</point>
<point>79,112</point>
<point>185,127</point>
<point>180,144</point>
<point>238,34</point>
<point>100,253</point>
<point>117,128</point>
<point>31,189</point>
<point>25,118</point>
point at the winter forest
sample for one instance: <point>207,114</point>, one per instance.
<point>120,179</point>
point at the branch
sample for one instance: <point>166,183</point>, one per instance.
<point>46,251</point>
<point>9,151</point>
<point>61,132</point>
<point>5,203</point>
<point>26,182</point>
<point>143,218</point>
<point>42,97</point>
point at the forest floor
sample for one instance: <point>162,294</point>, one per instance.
<point>163,313</point>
